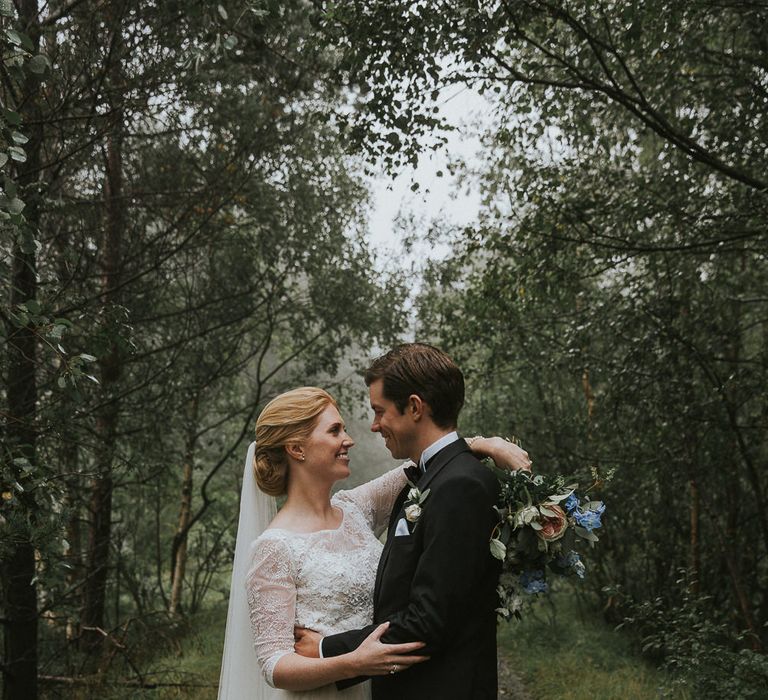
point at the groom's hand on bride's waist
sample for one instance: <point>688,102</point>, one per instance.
<point>307,642</point>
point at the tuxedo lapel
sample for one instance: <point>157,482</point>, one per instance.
<point>436,464</point>
<point>394,516</point>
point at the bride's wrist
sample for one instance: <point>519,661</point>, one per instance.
<point>479,445</point>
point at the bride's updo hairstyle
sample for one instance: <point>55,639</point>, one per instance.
<point>287,419</point>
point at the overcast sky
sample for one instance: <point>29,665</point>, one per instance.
<point>437,196</point>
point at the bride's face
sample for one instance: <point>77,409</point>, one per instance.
<point>327,448</point>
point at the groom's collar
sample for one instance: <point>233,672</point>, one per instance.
<point>435,447</point>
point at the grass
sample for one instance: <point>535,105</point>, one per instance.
<point>182,659</point>
<point>562,650</point>
<point>193,661</point>
<point>558,650</point>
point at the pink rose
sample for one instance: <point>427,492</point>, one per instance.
<point>553,522</point>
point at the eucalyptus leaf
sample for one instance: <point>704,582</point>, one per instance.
<point>498,549</point>
<point>559,497</point>
<point>585,534</point>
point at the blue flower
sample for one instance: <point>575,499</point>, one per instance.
<point>589,519</point>
<point>572,561</point>
<point>533,582</point>
<point>571,503</point>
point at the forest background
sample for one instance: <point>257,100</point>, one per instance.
<point>184,234</point>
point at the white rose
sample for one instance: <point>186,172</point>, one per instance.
<point>413,513</point>
<point>414,494</point>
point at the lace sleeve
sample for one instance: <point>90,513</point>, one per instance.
<point>271,590</point>
<point>375,498</point>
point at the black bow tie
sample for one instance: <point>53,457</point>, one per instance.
<point>413,473</point>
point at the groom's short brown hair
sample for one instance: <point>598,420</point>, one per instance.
<point>424,370</point>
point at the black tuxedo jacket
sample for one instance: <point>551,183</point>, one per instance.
<point>438,585</point>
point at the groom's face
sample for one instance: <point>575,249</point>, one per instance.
<point>396,428</point>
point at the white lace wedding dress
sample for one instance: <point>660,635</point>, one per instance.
<point>321,580</point>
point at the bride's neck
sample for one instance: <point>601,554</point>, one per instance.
<point>311,502</point>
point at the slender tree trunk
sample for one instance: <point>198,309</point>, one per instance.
<point>73,550</point>
<point>695,545</point>
<point>18,570</point>
<point>179,548</point>
<point>111,364</point>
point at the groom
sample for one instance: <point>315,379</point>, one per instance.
<point>436,580</point>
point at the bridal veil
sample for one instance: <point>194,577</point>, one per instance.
<point>241,677</point>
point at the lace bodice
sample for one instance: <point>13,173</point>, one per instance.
<point>321,580</point>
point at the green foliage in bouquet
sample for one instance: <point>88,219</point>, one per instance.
<point>543,523</point>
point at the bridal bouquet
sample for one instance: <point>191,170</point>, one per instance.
<point>543,522</point>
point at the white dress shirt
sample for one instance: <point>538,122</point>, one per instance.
<point>435,447</point>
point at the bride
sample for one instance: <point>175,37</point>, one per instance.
<point>314,563</point>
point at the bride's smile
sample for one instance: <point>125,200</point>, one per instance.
<point>327,448</point>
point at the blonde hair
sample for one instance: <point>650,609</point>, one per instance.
<point>288,418</point>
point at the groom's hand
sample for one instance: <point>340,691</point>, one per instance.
<point>307,642</point>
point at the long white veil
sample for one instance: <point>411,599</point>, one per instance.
<point>241,677</point>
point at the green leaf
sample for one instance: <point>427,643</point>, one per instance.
<point>14,205</point>
<point>19,39</point>
<point>230,42</point>
<point>87,358</point>
<point>38,64</point>
<point>6,8</point>
<point>223,12</point>
<point>3,159</point>
<point>62,382</point>
<point>13,118</point>
<point>13,36</point>
<point>498,549</point>
<point>19,138</point>
<point>586,534</point>
<point>9,186</point>
<point>559,497</point>
<point>18,154</point>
